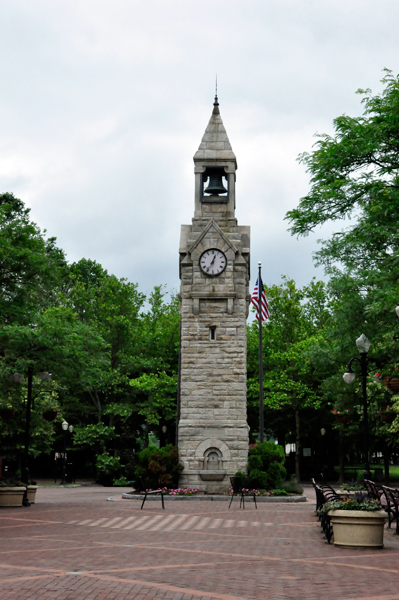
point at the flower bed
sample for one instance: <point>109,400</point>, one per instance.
<point>189,491</point>
<point>248,492</point>
<point>360,501</point>
<point>263,493</point>
<point>353,486</point>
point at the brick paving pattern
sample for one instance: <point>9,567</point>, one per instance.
<point>74,545</point>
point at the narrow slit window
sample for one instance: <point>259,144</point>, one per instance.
<point>212,333</point>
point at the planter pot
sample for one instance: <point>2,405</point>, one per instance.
<point>392,383</point>
<point>11,496</point>
<point>358,528</point>
<point>32,493</point>
<point>388,417</point>
<point>50,415</point>
<point>343,419</point>
<point>6,414</point>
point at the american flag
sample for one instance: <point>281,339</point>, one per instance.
<point>263,301</point>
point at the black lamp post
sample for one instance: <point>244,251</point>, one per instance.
<point>323,455</point>
<point>17,378</point>
<point>363,345</point>
<point>64,426</point>
<point>25,462</point>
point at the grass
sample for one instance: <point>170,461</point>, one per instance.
<point>352,470</point>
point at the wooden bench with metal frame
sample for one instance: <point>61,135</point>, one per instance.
<point>324,493</point>
<point>236,484</point>
<point>150,493</point>
<point>392,505</point>
<point>374,491</point>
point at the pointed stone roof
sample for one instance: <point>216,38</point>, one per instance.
<point>215,144</point>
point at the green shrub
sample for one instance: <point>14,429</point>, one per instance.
<point>292,487</point>
<point>158,467</point>
<point>122,481</point>
<point>278,492</point>
<point>108,468</point>
<point>265,467</point>
<point>360,477</point>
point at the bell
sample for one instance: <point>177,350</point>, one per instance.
<point>215,186</point>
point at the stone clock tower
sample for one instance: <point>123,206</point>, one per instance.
<point>214,301</point>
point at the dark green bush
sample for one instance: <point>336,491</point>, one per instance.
<point>292,487</point>
<point>265,467</point>
<point>158,467</point>
<point>279,492</point>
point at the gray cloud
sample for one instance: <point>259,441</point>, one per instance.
<point>104,104</point>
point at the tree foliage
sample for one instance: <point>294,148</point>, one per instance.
<point>354,175</point>
<point>113,364</point>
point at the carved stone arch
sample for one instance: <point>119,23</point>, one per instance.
<point>213,459</point>
<point>212,443</point>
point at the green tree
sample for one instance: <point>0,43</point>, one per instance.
<point>56,342</point>
<point>291,382</point>
<point>30,264</point>
<point>354,175</point>
<point>136,389</point>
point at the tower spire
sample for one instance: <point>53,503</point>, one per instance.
<point>216,103</point>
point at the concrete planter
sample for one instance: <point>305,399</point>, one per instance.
<point>358,528</point>
<point>11,496</point>
<point>32,493</point>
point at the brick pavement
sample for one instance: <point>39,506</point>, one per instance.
<point>74,545</point>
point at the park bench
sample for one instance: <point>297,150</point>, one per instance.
<point>236,484</point>
<point>324,493</point>
<point>391,505</point>
<point>374,491</point>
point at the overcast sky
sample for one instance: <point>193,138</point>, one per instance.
<point>103,105</point>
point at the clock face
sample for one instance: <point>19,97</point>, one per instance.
<point>213,262</point>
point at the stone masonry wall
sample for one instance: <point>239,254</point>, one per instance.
<point>213,431</point>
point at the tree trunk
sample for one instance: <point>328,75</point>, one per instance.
<point>162,437</point>
<point>297,446</point>
<point>341,458</point>
<point>387,455</point>
<point>281,438</point>
<point>146,437</point>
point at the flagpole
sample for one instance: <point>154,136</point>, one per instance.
<point>260,324</point>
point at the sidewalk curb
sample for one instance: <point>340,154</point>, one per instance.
<point>282,499</point>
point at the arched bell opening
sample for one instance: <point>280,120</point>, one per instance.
<point>215,184</point>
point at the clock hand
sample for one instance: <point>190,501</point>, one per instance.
<point>213,260</point>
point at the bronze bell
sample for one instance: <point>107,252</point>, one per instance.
<point>215,185</point>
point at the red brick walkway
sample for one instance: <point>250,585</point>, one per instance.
<point>73,545</point>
